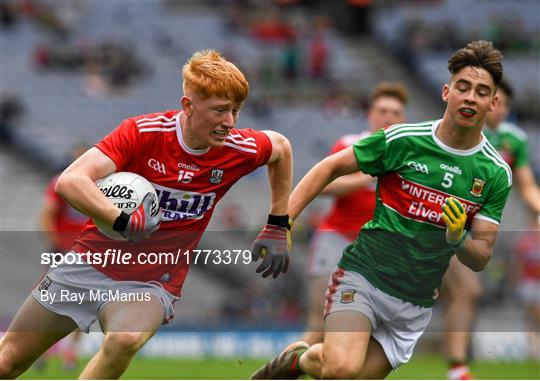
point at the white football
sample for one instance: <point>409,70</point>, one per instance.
<point>126,190</point>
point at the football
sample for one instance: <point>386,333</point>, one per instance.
<point>126,190</point>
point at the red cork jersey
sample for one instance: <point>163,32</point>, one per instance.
<point>189,183</point>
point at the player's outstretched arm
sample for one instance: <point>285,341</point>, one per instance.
<point>336,165</point>
<point>528,188</point>
<point>76,186</point>
<point>273,242</point>
<point>474,250</point>
<point>280,172</point>
<point>347,184</point>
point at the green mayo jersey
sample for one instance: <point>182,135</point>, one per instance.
<point>510,141</point>
<point>403,250</point>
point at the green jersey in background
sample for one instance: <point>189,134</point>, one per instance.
<point>510,141</point>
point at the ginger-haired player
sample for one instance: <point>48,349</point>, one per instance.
<point>200,155</point>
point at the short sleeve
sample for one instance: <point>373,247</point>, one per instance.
<point>121,145</point>
<point>264,146</point>
<point>370,153</point>
<point>494,205</point>
<point>522,154</point>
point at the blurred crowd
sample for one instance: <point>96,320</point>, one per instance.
<point>108,66</point>
<point>508,32</point>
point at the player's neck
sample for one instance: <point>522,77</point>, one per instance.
<point>458,137</point>
<point>188,137</point>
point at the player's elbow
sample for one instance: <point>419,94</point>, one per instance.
<point>283,144</point>
<point>477,267</point>
<point>60,187</point>
<point>64,184</point>
<point>480,263</point>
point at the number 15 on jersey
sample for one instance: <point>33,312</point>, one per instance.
<point>185,176</point>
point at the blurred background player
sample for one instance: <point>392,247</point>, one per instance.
<point>61,224</point>
<point>528,287</point>
<point>353,206</point>
<point>461,285</point>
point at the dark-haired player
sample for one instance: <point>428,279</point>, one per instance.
<point>441,190</point>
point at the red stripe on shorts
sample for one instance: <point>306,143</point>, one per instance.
<point>336,276</point>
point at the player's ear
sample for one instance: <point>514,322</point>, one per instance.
<point>187,105</point>
<point>494,102</point>
<point>445,92</point>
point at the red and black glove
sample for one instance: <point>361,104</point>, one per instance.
<point>142,222</point>
<point>273,244</point>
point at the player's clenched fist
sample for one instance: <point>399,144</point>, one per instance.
<point>273,244</point>
<point>142,222</point>
<point>454,216</point>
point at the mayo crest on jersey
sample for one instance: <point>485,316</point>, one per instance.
<point>403,250</point>
<point>189,183</point>
<point>351,211</point>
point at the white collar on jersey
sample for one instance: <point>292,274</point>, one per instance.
<point>460,152</point>
<point>181,139</point>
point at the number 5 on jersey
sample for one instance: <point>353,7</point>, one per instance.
<point>447,180</point>
<point>185,176</point>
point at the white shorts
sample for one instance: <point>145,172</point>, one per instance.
<point>396,325</point>
<point>529,291</point>
<point>81,291</point>
<point>326,251</point>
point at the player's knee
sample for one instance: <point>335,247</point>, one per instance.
<point>468,294</point>
<point>8,367</point>
<point>471,294</point>
<point>6,371</point>
<point>476,292</point>
<point>340,370</point>
<point>124,343</point>
<point>313,337</point>
<point>5,368</point>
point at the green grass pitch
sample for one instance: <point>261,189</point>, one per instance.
<point>420,367</point>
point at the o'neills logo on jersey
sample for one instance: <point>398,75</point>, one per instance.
<point>118,191</point>
<point>454,169</point>
<point>181,205</point>
<point>418,202</point>
<point>189,167</point>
